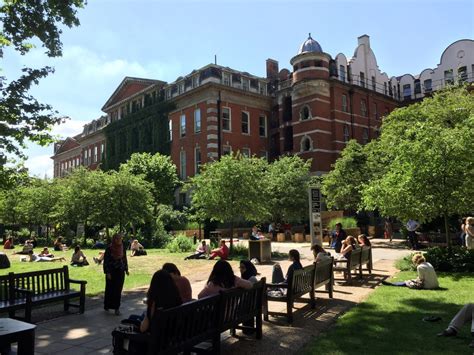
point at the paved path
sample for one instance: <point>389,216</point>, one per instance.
<point>89,333</point>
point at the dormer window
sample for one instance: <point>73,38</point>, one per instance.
<point>245,84</point>
<point>305,113</point>
<point>226,79</point>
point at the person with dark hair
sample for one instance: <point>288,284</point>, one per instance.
<point>222,252</point>
<point>364,240</point>
<point>36,258</point>
<point>78,258</point>
<point>277,273</point>
<point>319,253</point>
<point>58,244</point>
<point>46,253</point>
<point>348,245</point>
<point>8,243</point>
<point>337,237</point>
<point>182,283</point>
<point>465,315</point>
<point>222,277</point>
<point>248,271</point>
<point>162,293</point>
<point>201,251</point>
<point>115,268</point>
<point>411,227</point>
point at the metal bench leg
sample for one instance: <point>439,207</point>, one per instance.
<point>66,305</point>
<point>289,311</point>
<point>265,309</point>
<point>258,326</point>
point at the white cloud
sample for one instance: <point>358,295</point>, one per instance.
<point>40,165</point>
<point>69,128</point>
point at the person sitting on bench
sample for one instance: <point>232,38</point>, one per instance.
<point>201,251</point>
<point>319,253</point>
<point>363,240</point>
<point>182,283</point>
<point>222,277</point>
<point>277,273</point>
<point>348,245</point>
<point>78,258</point>
<point>136,249</point>
<point>222,252</point>
<point>465,315</point>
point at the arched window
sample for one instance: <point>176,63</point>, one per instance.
<point>306,144</point>
<point>305,113</point>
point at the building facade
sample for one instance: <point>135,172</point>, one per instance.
<point>312,110</point>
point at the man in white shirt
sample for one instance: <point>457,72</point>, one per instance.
<point>412,226</point>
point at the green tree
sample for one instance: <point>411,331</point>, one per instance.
<point>129,200</point>
<point>81,197</point>
<point>425,154</point>
<point>229,189</point>
<point>342,186</point>
<point>24,21</point>
<point>157,169</point>
<point>286,188</point>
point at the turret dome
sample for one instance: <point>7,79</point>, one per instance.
<point>310,45</point>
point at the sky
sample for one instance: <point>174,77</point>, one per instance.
<point>167,39</point>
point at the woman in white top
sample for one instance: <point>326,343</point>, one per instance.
<point>426,279</point>
<point>319,253</point>
<point>469,230</point>
<point>78,258</point>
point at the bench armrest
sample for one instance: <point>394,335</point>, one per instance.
<point>82,282</point>
<point>276,285</point>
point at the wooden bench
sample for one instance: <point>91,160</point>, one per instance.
<point>183,328</point>
<point>366,259</point>
<point>300,284</point>
<point>350,263</point>
<point>25,290</point>
<point>324,276</point>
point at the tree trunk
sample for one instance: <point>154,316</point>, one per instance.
<point>85,234</point>
<point>200,236</point>
<point>231,236</point>
<point>446,229</point>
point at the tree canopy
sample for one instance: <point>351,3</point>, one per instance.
<point>25,22</point>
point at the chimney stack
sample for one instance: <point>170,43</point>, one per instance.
<point>272,69</point>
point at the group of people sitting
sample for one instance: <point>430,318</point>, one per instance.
<point>203,252</point>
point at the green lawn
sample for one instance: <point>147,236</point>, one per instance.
<point>390,321</point>
<point>141,268</point>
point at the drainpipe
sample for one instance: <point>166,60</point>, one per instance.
<point>219,127</point>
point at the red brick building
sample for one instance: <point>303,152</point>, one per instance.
<point>312,110</point>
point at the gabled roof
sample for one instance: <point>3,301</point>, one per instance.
<point>68,144</point>
<point>128,87</point>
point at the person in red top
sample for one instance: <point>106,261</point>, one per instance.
<point>8,243</point>
<point>222,252</point>
<point>182,283</point>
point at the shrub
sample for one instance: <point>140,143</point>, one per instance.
<point>347,222</point>
<point>181,243</point>
<point>240,251</point>
<point>457,260</point>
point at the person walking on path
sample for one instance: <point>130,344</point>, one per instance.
<point>115,268</point>
<point>465,315</point>
<point>469,228</point>
<point>412,226</point>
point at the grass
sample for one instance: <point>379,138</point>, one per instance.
<point>141,268</point>
<point>390,321</point>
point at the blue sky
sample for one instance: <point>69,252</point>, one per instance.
<point>166,39</point>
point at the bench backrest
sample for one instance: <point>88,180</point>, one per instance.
<point>175,329</point>
<point>323,272</point>
<point>42,281</point>
<point>365,255</point>
<point>4,288</point>
<point>239,305</point>
<point>302,281</point>
<point>354,258</point>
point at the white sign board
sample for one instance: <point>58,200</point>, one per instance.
<point>314,196</point>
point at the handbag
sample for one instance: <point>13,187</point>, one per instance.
<point>127,339</point>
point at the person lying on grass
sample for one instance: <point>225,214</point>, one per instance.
<point>426,279</point>
<point>36,258</point>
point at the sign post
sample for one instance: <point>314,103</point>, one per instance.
<point>314,196</point>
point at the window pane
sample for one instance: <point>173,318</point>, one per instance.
<point>245,122</point>
<point>226,124</point>
<point>182,125</point>
<point>197,121</point>
<point>262,126</point>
